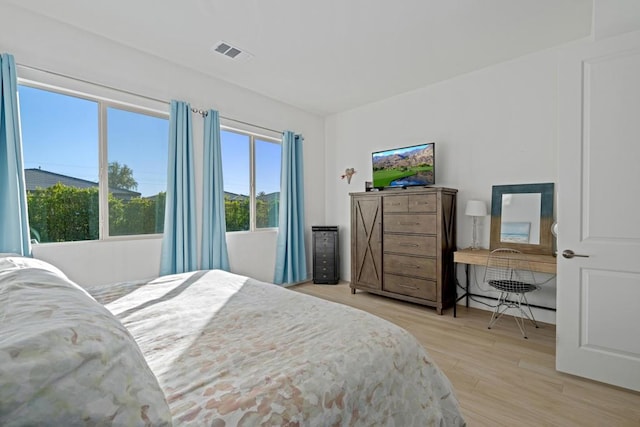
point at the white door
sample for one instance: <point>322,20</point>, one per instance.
<point>598,198</point>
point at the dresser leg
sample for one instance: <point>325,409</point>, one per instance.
<point>353,291</point>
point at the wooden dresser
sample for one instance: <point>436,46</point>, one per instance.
<point>402,244</point>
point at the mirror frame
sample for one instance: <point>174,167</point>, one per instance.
<point>546,217</point>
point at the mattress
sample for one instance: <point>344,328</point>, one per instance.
<point>229,350</point>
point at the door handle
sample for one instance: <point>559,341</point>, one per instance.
<point>568,253</point>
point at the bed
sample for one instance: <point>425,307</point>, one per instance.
<point>204,348</point>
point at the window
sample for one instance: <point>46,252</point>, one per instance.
<point>84,154</point>
<point>137,172</point>
<point>251,174</point>
<point>267,162</point>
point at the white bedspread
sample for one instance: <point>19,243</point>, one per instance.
<point>228,350</point>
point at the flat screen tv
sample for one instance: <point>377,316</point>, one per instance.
<point>404,167</point>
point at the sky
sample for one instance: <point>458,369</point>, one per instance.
<point>60,134</point>
<point>235,167</point>
<point>398,150</point>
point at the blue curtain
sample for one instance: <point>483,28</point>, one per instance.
<point>179,237</point>
<point>291,257</point>
<point>14,218</point>
<point>214,227</point>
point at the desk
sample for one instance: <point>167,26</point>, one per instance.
<point>539,263</point>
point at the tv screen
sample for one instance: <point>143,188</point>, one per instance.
<point>404,167</point>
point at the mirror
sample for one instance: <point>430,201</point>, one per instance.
<point>521,217</point>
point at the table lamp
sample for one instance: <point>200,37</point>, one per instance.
<point>475,209</point>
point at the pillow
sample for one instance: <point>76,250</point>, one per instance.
<point>14,261</point>
<point>65,359</point>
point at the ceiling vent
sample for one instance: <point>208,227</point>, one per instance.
<point>230,51</point>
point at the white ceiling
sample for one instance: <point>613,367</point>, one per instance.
<point>328,56</point>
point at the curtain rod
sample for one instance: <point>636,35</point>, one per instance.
<point>149,98</point>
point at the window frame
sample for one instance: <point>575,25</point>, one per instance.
<point>253,135</point>
<point>105,98</point>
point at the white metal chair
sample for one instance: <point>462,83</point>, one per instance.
<point>511,275</point>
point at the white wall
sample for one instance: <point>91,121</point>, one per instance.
<point>614,17</point>
<point>45,44</point>
<point>493,126</point>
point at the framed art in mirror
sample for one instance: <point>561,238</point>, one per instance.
<point>521,217</point>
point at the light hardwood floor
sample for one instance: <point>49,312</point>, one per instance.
<point>500,378</point>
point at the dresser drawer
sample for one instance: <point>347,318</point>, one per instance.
<point>395,204</point>
<point>410,223</point>
<point>423,203</point>
<point>325,278</point>
<point>410,244</point>
<point>324,260</point>
<point>326,251</point>
<point>410,203</point>
<point>419,288</point>
<point>410,265</point>
<point>324,239</point>
<point>324,269</point>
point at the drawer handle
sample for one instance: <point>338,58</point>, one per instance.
<point>408,287</point>
<point>409,245</point>
<point>410,265</point>
<point>409,223</point>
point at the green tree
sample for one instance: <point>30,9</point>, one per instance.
<point>65,214</point>
<point>267,210</point>
<point>121,176</point>
<point>136,216</point>
<point>237,213</point>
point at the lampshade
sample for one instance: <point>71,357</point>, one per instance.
<point>476,208</point>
